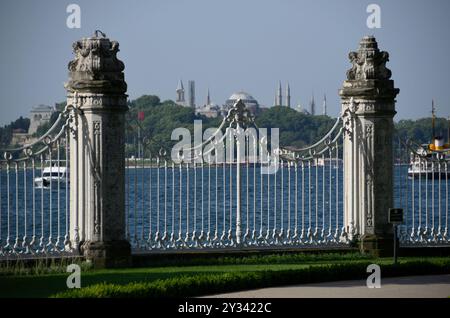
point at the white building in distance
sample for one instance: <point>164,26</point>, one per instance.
<point>39,115</point>
<point>250,102</point>
<point>210,109</point>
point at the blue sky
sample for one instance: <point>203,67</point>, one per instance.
<point>227,46</point>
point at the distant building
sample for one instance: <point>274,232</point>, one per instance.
<point>20,137</point>
<point>288,96</point>
<point>301,109</point>
<point>39,115</point>
<point>250,102</point>
<point>180,94</point>
<point>210,109</point>
<point>312,106</point>
<point>279,96</point>
<point>191,90</point>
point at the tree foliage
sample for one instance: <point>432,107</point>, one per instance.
<point>296,129</point>
<point>7,130</point>
<point>162,117</point>
<point>420,130</point>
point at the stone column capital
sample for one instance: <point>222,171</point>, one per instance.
<point>369,78</point>
<point>95,67</point>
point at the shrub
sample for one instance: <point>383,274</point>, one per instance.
<point>203,284</point>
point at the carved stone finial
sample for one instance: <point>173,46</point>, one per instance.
<point>369,77</point>
<point>95,67</point>
<point>369,62</point>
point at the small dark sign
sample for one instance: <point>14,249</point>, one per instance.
<point>396,216</point>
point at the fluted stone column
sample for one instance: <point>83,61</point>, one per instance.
<point>368,104</point>
<point>96,90</point>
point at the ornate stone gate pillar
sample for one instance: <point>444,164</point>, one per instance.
<point>368,105</point>
<point>96,90</point>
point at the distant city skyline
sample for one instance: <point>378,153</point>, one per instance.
<point>228,46</point>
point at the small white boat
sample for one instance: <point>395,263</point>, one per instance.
<point>51,176</point>
<point>431,160</point>
<point>333,162</point>
<point>429,164</point>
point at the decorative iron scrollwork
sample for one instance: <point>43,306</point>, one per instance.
<point>240,115</point>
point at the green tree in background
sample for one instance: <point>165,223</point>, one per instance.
<point>420,130</point>
<point>296,129</point>
<point>6,131</point>
<point>162,117</point>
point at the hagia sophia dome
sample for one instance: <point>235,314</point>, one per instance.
<point>249,101</point>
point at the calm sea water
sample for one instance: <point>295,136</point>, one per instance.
<point>209,204</point>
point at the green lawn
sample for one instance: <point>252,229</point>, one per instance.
<point>29,284</point>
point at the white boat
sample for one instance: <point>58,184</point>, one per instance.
<point>52,175</point>
<point>429,163</point>
<point>431,160</point>
<point>333,162</point>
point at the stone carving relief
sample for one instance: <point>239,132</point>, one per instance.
<point>369,62</point>
<point>96,67</point>
<point>348,117</point>
<point>97,174</point>
<point>369,174</point>
<point>82,101</point>
<point>96,55</point>
<point>383,144</point>
<point>369,131</point>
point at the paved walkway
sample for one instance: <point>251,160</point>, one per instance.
<point>399,287</point>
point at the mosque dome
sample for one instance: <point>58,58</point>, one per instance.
<point>242,95</point>
<point>250,102</point>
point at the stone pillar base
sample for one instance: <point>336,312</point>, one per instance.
<point>377,246</point>
<point>112,254</point>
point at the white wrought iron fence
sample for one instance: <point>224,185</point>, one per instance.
<point>251,197</point>
<point>422,190</point>
<point>34,195</point>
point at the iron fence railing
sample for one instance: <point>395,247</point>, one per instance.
<point>422,190</point>
<point>34,194</point>
<point>248,197</point>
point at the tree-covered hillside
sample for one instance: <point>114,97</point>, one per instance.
<point>162,117</point>
<point>296,129</point>
<point>7,130</point>
<point>420,130</point>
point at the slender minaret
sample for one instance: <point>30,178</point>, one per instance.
<point>180,94</point>
<point>279,99</point>
<point>448,132</point>
<point>433,112</point>
<point>208,98</point>
<point>191,87</point>
<point>313,105</point>
<point>288,96</point>
<point>324,105</point>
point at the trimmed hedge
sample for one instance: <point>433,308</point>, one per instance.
<point>204,284</point>
<point>255,259</point>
